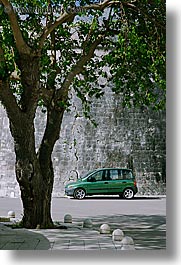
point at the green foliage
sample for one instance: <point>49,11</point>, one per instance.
<point>134,45</point>
<point>138,70</point>
<point>137,61</point>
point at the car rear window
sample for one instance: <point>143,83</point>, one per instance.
<point>126,174</point>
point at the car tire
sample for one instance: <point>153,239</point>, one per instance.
<point>79,194</point>
<point>128,194</point>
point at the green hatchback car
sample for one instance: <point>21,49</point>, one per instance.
<point>105,181</point>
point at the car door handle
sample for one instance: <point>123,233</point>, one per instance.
<point>106,182</point>
<point>124,182</point>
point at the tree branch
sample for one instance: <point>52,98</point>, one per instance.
<point>6,96</point>
<point>54,113</point>
<point>20,42</point>
<point>9,102</point>
<point>102,5</point>
<point>77,69</point>
<point>142,11</point>
<point>14,76</point>
<point>66,17</point>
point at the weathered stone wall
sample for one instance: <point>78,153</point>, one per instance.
<point>8,184</point>
<point>123,138</point>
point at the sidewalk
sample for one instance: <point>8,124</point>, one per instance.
<point>73,238</point>
<point>148,232</point>
<point>21,239</point>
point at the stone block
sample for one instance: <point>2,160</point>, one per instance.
<point>87,223</point>
<point>67,218</point>
<point>105,229</point>
<point>11,214</point>
<point>117,235</point>
<point>127,243</point>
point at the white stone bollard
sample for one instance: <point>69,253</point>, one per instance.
<point>87,223</point>
<point>105,229</point>
<point>11,214</point>
<point>117,235</point>
<point>127,243</point>
<point>67,218</point>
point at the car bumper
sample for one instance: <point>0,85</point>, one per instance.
<point>69,192</point>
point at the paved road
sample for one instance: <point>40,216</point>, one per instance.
<point>93,206</point>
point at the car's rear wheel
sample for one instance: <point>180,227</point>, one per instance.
<point>128,194</point>
<point>79,194</point>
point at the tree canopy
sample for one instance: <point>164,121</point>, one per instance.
<point>66,34</point>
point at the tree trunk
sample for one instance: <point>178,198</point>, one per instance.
<point>36,188</point>
<point>34,171</point>
<point>36,191</point>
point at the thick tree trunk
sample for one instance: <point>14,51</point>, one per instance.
<point>36,191</point>
<point>34,171</point>
<point>34,178</point>
<point>36,186</point>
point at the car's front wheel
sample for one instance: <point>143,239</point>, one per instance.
<point>79,194</point>
<point>128,194</point>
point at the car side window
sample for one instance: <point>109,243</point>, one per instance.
<point>106,175</point>
<point>114,174</point>
<point>97,176</point>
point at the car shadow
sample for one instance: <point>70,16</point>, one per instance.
<point>119,198</point>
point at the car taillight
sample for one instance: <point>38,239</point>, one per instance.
<point>135,183</point>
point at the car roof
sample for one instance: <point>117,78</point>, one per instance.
<point>105,168</point>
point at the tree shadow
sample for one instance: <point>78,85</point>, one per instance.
<point>148,232</point>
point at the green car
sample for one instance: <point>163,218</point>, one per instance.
<point>105,181</point>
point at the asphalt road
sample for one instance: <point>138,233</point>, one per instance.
<point>93,206</point>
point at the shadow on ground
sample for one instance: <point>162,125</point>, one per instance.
<point>148,232</point>
<point>117,198</point>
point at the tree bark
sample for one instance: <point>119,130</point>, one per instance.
<point>35,191</point>
<point>34,171</point>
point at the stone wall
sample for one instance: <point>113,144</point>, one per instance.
<point>131,138</point>
<point>8,183</point>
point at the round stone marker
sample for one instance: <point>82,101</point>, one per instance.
<point>87,223</point>
<point>127,243</point>
<point>68,218</point>
<point>11,214</point>
<point>117,235</point>
<point>105,229</point>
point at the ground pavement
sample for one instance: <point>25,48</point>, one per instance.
<point>148,232</point>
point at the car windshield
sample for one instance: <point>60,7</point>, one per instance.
<point>86,174</point>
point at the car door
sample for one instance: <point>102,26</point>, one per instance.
<point>120,179</point>
<point>127,178</point>
<point>96,183</point>
<point>113,181</point>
